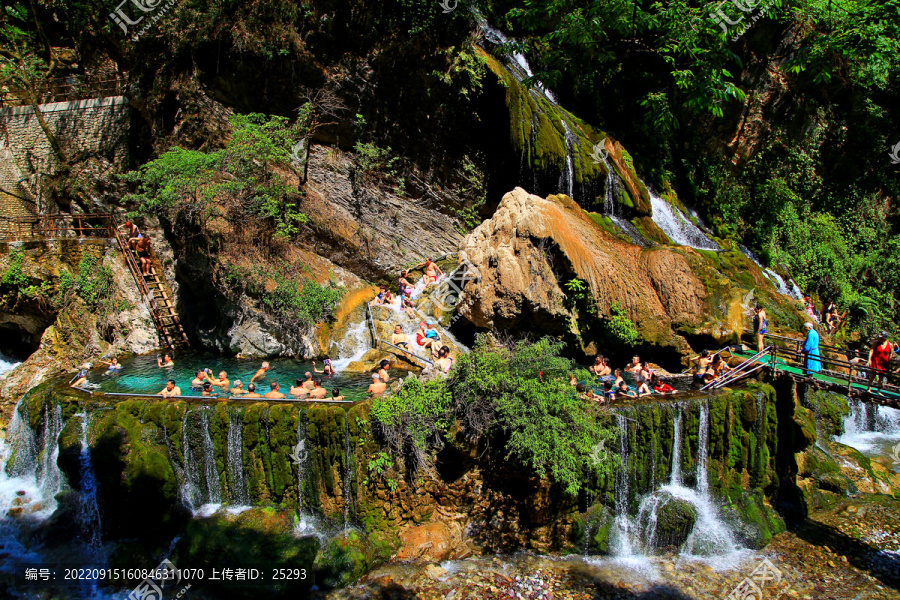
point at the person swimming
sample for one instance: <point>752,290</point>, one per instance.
<point>318,391</point>
<point>327,369</point>
<point>113,364</point>
<point>377,387</point>
<point>274,393</point>
<point>238,389</point>
<point>336,395</point>
<point>166,362</point>
<point>298,390</point>
<point>251,391</point>
<point>261,373</point>
<point>170,391</point>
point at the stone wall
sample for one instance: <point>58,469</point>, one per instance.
<point>84,129</point>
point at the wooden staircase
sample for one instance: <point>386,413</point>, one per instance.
<point>156,292</point>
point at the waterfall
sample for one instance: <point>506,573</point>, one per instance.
<point>622,543</point>
<point>777,280</point>
<point>567,177</point>
<point>348,473</point>
<point>872,429</point>
<point>703,449</point>
<point>7,364</point>
<point>355,343</point>
<point>675,479</point>
<point>678,227</point>
<point>88,513</point>
<point>201,479</point>
<point>238,494</point>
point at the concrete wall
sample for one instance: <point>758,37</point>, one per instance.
<point>84,128</point>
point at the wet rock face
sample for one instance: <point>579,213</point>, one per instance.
<point>533,246</point>
<point>675,520</point>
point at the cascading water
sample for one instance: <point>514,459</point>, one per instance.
<point>676,449</point>
<point>703,450</point>
<point>88,513</point>
<point>678,227</point>
<point>238,493</point>
<point>777,280</point>
<point>622,536</point>
<point>356,342</point>
<point>872,429</point>
<point>7,364</point>
<point>203,489</point>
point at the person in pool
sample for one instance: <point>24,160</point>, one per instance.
<point>207,389</point>
<point>171,390</point>
<point>600,368</point>
<point>383,374</point>
<point>113,364</point>
<point>609,393</point>
<point>318,392</point>
<point>238,389</point>
<point>166,362</point>
<point>327,369</point>
<point>261,373</point>
<point>297,390</point>
<point>308,382</point>
<point>336,395</point>
<point>251,391</point>
<point>274,393</point>
<point>377,387</point>
<point>619,379</point>
<point>222,381</point>
<point>660,386</point>
<point>623,392</point>
<point>634,366</point>
<point>199,380</point>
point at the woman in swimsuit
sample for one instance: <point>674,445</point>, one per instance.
<point>403,283</point>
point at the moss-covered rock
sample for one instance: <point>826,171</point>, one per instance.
<point>668,521</point>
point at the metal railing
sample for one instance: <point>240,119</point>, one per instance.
<point>59,226</point>
<point>63,90</point>
<point>741,371</point>
<point>376,340</point>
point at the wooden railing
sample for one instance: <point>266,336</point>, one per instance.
<point>63,90</point>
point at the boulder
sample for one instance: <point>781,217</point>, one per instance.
<point>431,542</point>
<point>533,246</point>
<point>667,521</point>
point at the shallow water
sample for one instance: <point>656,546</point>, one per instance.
<point>141,375</point>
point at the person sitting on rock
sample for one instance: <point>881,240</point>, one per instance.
<point>432,337</point>
<point>274,393</point>
<point>399,338</point>
<point>298,390</point>
<point>166,362</point>
<point>251,391</point>
<point>318,392</point>
<point>406,303</point>
<point>379,298</point>
<point>222,381</point>
<point>327,369</point>
<point>388,298</point>
<point>420,334</point>
<point>703,363</point>
<point>80,379</point>
<point>403,283</point>
<point>308,382</point>
<point>444,361</point>
<point>336,395</point>
<point>383,374</point>
<point>238,389</point>
<point>261,373</point>
<point>431,271</point>
<point>377,387</point>
<point>171,390</point>
<point>718,367</point>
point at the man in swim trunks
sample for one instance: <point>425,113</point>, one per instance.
<point>273,392</point>
<point>238,389</point>
<point>298,390</point>
<point>377,387</point>
<point>318,392</point>
<point>222,381</point>
<point>171,390</point>
<point>309,384</point>
<point>261,373</point>
<point>760,326</point>
<point>399,338</point>
<point>431,271</point>
<point>142,249</point>
<point>251,391</point>
<point>879,360</point>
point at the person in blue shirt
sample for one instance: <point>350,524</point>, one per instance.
<point>811,362</point>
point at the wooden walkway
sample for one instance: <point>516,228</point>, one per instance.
<point>154,288</point>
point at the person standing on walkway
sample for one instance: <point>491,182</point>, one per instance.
<point>760,326</point>
<point>879,360</point>
<point>811,362</point>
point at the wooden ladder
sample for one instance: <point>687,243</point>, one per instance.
<point>156,292</point>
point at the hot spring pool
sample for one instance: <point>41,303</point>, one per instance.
<point>140,375</point>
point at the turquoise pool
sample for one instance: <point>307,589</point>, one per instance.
<point>140,375</point>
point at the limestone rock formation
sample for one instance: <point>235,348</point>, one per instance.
<point>533,246</point>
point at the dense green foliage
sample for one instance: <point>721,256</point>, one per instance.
<point>239,182</point>
<point>515,396</point>
<point>806,181</point>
